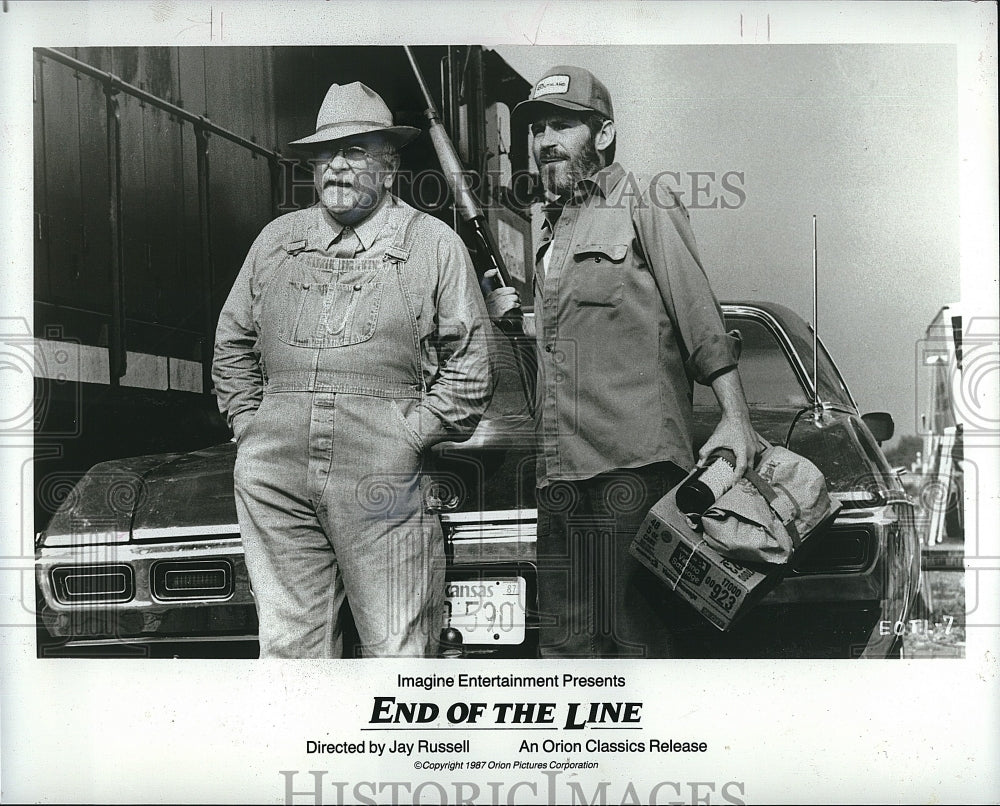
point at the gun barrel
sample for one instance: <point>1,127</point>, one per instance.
<point>454,173</point>
<point>457,177</point>
<point>512,323</point>
<point>432,112</point>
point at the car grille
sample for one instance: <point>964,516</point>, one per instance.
<point>73,584</point>
<point>174,580</point>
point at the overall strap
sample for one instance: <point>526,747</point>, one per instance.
<point>403,243</point>
<point>399,253</point>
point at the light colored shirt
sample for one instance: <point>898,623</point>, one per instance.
<point>453,323</point>
<point>625,321</point>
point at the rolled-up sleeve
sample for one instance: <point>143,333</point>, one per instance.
<point>236,371</point>
<point>462,382</point>
<point>661,222</point>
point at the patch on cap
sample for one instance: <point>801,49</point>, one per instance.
<point>552,85</point>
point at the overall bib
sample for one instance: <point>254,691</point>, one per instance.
<point>327,473</point>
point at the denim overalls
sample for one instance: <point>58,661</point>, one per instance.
<point>327,473</point>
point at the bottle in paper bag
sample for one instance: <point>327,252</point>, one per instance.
<point>700,492</point>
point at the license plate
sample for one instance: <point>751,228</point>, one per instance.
<point>488,610</point>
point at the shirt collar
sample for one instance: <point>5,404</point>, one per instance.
<point>327,229</point>
<point>601,182</point>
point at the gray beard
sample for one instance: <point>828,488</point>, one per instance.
<point>561,183</point>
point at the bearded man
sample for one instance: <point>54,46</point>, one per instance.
<point>625,321</point>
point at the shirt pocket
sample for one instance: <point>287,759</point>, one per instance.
<point>341,310</point>
<point>599,273</point>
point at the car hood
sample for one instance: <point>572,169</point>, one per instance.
<point>174,490</point>
<point>192,489</point>
<point>162,495</point>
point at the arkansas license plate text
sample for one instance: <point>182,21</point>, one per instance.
<point>487,611</point>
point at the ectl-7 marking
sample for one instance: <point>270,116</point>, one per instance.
<point>915,626</point>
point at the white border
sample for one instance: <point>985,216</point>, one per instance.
<point>219,732</point>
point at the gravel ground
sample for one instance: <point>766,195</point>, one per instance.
<point>942,635</point>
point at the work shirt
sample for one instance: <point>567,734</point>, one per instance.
<point>448,307</point>
<point>625,321</point>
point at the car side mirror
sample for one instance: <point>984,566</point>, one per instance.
<point>880,424</point>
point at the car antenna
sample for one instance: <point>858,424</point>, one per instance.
<point>817,406</point>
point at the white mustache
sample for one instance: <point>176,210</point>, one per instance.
<point>359,181</point>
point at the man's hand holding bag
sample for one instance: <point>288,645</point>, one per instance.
<point>767,514</point>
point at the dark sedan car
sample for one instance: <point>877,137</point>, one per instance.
<point>144,556</point>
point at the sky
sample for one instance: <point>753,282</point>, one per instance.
<point>863,136</point>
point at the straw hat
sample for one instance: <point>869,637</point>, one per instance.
<point>352,109</point>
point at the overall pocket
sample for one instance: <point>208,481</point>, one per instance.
<point>400,409</point>
<point>598,274</point>
<point>339,310</point>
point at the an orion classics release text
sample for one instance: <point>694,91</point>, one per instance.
<point>526,753</point>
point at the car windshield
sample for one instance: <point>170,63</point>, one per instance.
<point>767,375</point>
<point>770,382</point>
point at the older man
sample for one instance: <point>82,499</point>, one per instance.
<point>625,321</point>
<point>352,341</point>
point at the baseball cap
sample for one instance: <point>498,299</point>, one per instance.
<point>568,87</point>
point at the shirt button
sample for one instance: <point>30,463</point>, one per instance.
<point>357,288</point>
<point>548,348</point>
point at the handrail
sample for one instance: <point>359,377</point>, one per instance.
<point>153,100</point>
<point>203,127</point>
